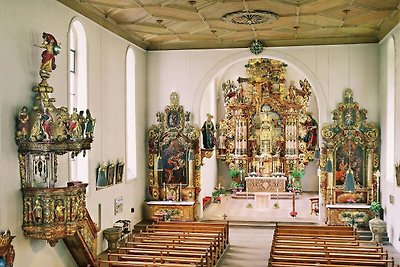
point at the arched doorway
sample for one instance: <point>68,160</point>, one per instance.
<point>232,67</point>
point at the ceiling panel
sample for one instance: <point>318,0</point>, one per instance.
<point>180,24</point>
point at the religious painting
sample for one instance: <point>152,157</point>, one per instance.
<point>173,119</point>
<point>397,174</point>
<point>349,116</point>
<point>111,173</point>
<point>351,197</point>
<point>101,178</point>
<point>350,158</point>
<point>119,172</point>
<point>174,162</point>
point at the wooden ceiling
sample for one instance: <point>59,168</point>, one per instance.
<point>183,24</point>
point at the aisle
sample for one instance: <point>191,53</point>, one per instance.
<point>249,246</point>
<point>244,210</point>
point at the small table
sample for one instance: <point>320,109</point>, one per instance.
<point>262,199</point>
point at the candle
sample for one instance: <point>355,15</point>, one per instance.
<point>219,186</point>
<point>180,191</point>
<point>165,191</point>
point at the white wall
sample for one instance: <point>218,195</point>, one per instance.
<point>330,69</point>
<point>21,26</point>
<point>389,187</point>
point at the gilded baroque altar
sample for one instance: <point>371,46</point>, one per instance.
<point>266,131</point>
<point>349,162</point>
<point>174,165</point>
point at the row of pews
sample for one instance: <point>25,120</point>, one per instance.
<point>172,244</point>
<point>324,246</point>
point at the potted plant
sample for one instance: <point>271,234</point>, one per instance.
<point>216,194</point>
<point>376,225</point>
<point>234,174</point>
<point>234,187</point>
<point>295,181</point>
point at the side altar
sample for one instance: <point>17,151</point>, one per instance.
<point>349,161</point>
<point>173,165</point>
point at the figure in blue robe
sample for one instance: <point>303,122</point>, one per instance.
<point>349,183</point>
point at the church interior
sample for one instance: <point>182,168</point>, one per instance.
<point>199,133</point>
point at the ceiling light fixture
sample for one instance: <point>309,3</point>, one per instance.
<point>250,17</point>
<point>256,47</point>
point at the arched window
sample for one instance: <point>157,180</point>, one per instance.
<point>77,91</point>
<point>131,164</point>
<point>391,70</point>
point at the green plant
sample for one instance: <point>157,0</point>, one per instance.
<point>298,174</point>
<point>375,207</point>
<point>234,185</point>
<point>218,192</point>
<point>233,173</point>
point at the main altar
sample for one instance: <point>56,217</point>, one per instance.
<point>267,131</point>
<point>266,184</point>
<point>173,165</point>
<point>349,179</point>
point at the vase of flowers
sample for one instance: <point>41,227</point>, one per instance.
<point>377,225</point>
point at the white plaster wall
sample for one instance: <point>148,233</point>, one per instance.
<point>388,185</point>
<point>330,69</point>
<point>21,26</point>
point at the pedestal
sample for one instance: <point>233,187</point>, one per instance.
<point>262,200</point>
<point>112,236</point>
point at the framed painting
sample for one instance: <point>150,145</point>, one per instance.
<point>119,172</point>
<point>350,156</point>
<point>111,173</point>
<point>397,166</point>
<point>174,163</point>
<point>173,119</point>
<point>101,179</point>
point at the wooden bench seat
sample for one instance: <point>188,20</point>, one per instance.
<point>172,244</point>
<point>158,259</point>
<point>333,260</point>
<point>141,264</point>
<point>165,252</point>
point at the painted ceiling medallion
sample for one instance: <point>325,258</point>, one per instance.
<point>250,17</point>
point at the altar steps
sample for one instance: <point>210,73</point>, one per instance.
<point>365,234</point>
<point>250,195</point>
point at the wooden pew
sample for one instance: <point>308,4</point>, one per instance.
<point>158,259</point>
<point>214,238</point>
<point>165,252</point>
<point>300,246</point>
<point>173,244</point>
<point>178,245</point>
<point>104,263</point>
<point>192,227</point>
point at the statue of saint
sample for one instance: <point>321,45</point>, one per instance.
<point>208,131</point>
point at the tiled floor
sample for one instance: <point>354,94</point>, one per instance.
<point>251,228</point>
<point>245,210</point>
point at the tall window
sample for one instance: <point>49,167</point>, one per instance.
<point>77,98</point>
<point>130,115</point>
<point>391,70</point>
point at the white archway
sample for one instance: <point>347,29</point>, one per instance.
<point>216,70</point>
